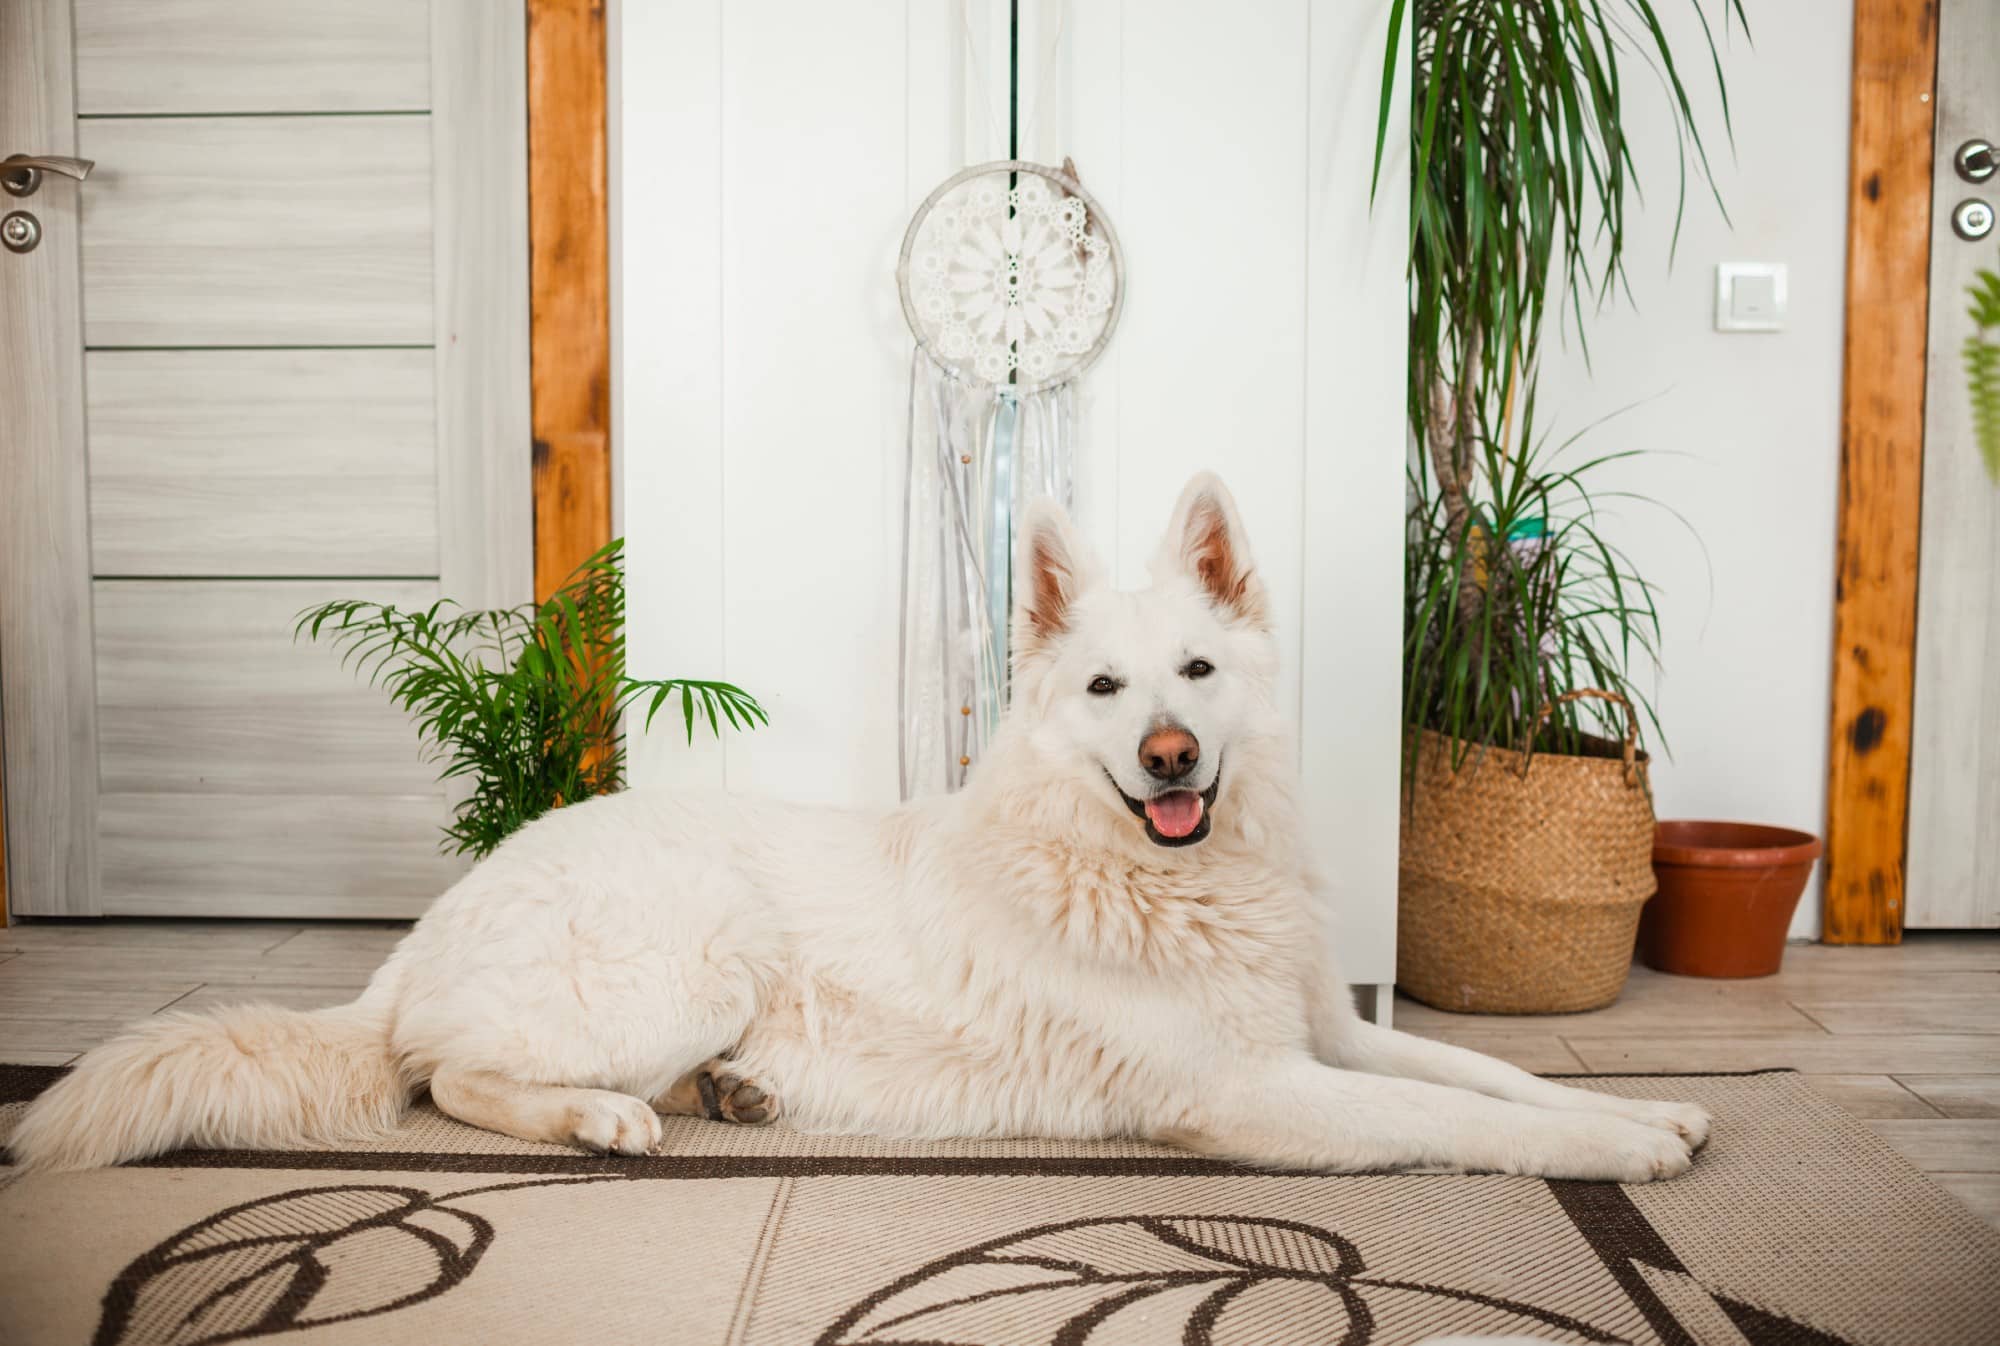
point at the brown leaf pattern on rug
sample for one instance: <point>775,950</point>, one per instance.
<point>298,1259</point>
<point>1799,1228</point>
<point>1202,1280</point>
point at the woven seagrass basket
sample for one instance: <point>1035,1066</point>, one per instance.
<point>1521,880</point>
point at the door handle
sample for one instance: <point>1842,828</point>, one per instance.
<point>21,174</point>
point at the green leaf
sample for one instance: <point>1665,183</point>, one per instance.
<point>1391,50</point>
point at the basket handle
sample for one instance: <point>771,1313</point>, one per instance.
<point>1631,722</point>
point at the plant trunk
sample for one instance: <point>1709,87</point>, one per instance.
<point>1450,434</point>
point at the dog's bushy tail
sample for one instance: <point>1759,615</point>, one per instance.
<point>246,1077</point>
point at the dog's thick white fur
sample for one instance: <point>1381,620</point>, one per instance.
<point>1113,930</point>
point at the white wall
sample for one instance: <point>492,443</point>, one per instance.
<point>1742,429</point>
<point>1263,336</point>
<point>765,162</point>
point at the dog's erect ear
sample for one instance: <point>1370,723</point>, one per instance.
<point>1205,540</point>
<point>1052,568</point>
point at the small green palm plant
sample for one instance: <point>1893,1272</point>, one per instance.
<point>1982,368</point>
<point>1521,171</point>
<point>528,702</point>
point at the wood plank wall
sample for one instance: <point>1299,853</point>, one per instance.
<point>571,285</point>
<point>1881,468</point>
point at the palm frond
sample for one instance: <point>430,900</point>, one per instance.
<point>527,703</point>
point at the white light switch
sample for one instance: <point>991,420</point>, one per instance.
<point>1750,297</point>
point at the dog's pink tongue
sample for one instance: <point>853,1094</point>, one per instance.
<point>1176,813</point>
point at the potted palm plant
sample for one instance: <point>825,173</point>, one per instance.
<point>1528,826</point>
<point>524,705</point>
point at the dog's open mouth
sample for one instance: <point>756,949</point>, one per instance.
<point>1173,817</point>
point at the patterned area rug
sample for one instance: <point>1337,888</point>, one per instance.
<point>1797,1226</point>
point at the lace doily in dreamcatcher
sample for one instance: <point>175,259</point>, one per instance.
<point>1010,276</point>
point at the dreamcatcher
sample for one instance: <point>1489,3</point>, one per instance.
<point>1011,282</point>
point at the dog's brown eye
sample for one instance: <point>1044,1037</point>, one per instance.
<point>1198,668</point>
<point>1102,685</point>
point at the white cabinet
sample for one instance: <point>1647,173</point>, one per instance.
<point>765,161</point>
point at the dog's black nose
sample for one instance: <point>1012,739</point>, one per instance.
<point>1168,754</point>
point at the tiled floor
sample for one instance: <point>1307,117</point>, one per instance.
<point>1907,1037</point>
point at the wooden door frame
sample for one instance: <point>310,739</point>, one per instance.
<point>569,285</point>
<point>1881,468</point>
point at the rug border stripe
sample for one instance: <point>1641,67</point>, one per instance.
<point>21,1083</point>
<point>683,1167</point>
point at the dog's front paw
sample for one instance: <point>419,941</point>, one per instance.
<point>1613,1149</point>
<point>727,1097</point>
<point>614,1124</point>
<point>1663,1154</point>
<point>1689,1121</point>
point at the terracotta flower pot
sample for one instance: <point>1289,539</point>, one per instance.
<point>1727,892</point>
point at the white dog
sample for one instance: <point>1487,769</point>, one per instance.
<point>1113,930</point>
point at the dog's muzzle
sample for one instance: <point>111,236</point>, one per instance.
<point>1173,817</point>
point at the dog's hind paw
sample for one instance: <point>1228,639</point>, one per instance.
<point>726,1097</point>
<point>716,1091</point>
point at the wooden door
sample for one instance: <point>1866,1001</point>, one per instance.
<point>1953,864</point>
<point>273,350</point>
